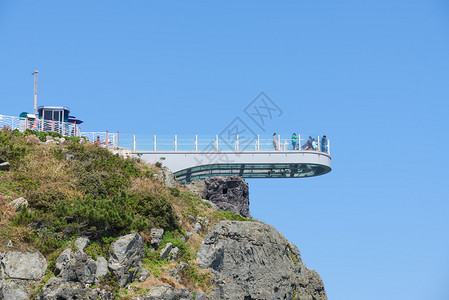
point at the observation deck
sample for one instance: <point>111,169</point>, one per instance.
<point>194,158</point>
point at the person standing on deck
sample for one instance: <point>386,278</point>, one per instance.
<point>294,139</point>
<point>324,144</point>
<point>275,142</point>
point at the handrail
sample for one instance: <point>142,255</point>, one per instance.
<point>63,128</point>
<point>175,143</point>
<point>238,144</point>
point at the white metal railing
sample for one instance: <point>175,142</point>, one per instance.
<point>216,143</point>
<point>103,138</point>
<point>21,124</point>
<point>64,128</point>
<point>165,143</point>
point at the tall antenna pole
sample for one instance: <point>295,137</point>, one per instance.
<point>35,73</point>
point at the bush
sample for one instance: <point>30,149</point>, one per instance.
<point>158,210</point>
<point>102,215</point>
<point>12,149</point>
<point>46,199</point>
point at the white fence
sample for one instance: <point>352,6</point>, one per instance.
<point>164,143</point>
<point>217,143</point>
<point>64,128</point>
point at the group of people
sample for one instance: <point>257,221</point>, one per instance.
<point>311,143</point>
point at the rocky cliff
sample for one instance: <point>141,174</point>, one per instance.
<point>253,260</point>
<point>87,224</point>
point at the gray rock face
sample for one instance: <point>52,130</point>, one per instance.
<point>143,275</point>
<point>229,193</point>
<point>254,261</point>
<point>102,268</point>
<point>200,225</point>
<point>156,237</point>
<point>168,178</point>
<point>166,251</point>
<point>27,266</point>
<point>56,288</point>
<point>18,203</point>
<point>14,290</point>
<point>81,243</point>
<point>126,257</point>
<point>167,293</point>
<point>198,187</point>
<point>19,271</point>
<point>78,266</point>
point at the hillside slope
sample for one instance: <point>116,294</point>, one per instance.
<point>107,227</point>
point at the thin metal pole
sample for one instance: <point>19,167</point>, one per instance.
<point>196,142</point>
<point>279,142</point>
<point>216,142</point>
<point>237,143</point>
<point>154,147</point>
<point>107,138</point>
<point>134,142</point>
<point>117,139</point>
<point>318,146</point>
<point>176,142</point>
<point>328,146</point>
<point>258,143</point>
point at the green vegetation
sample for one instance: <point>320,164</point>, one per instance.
<point>84,190</point>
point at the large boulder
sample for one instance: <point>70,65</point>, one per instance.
<point>78,266</point>
<point>14,290</point>
<point>166,175</point>
<point>57,288</point>
<point>156,237</point>
<point>198,187</point>
<point>18,272</point>
<point>169,293</point>
<point>241,254</point>
<point>229,193</point>
<point>126,257</point>
<point>25,266</point>
<point>18,203</point>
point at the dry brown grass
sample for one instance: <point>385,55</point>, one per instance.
<point>16,234</point>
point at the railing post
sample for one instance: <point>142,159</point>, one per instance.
<point>258,143</point>
<point>176,142</point>
<point>299,141</point>
<point>118,139</point>
<point>216,142</point>
<point>318,146</point>
<point>154,146</point>
<point>328,147</point>
<point>196,142</point>
<point>279,142</point>
<point>107,138</point>
<point>237,143</point>
<point>134,142</point>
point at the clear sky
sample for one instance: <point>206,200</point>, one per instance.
<point>372,75</point>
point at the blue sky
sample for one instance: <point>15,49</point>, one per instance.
<point>372,75</point>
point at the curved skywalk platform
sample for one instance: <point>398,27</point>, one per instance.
<point>249,158</point>
<point>188,165</point>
